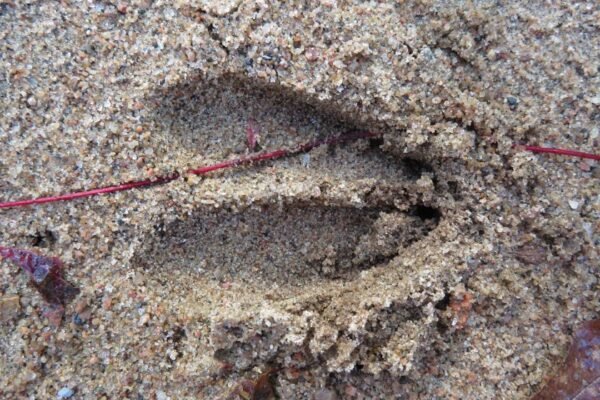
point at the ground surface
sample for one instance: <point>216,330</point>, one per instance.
<point>437,263</point>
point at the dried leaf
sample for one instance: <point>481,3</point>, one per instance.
<point>579,377</point>
<point>263,390</point>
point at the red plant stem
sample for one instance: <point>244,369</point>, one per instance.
<point>248,160</point>
<point>89,193</point>
<point>199,171</point>
<point>564,152</point>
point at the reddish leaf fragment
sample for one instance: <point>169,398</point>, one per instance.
<point>45,273</point>
<point>579,377</point>
<point>252,133</point>
<point>263,390</point>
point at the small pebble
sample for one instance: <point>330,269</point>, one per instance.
<point>574,204</point>
<point>9,308</point>
<point>311,54</point>
<point>144,319</point>
<point>339,64</point>
<point>297,40</point>
<point>305,160</point>
<point>30,376</point>
<point>587,227</point>
<point>77,320</point>
<point>160,395</point>
<point>65,393</point>
<point>512,102</point>
<point>190,55</point>
<point>107,303</point>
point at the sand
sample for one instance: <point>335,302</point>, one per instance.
<point>439,262</point>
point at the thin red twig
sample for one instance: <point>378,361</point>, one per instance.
<point>564,152</point>
<point>198,171</point>
<point>248,160</point>
<point>89,193</point>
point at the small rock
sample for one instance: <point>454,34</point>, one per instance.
<point>512,102</point>
<point>574,204</point>
<point>122,8</point>
<point>305,160</point>
<point>595,100</point>
<point>107,303</point>
<point>311,54</point>
<point>32,101</point>
<point>339,64</point>
<point>297,40</point>
<point>144,319</point>
<point>160,395</point>
<point>65,393</point>
<point>190,55</point>
<point>9,308</point>
<point>77,320</point>
<point>587,227</point>
<point>30,376</point>
<point>328,3</point>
